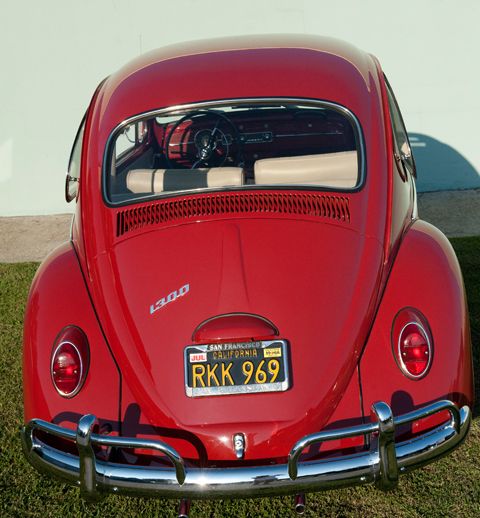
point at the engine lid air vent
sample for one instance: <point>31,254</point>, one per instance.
<point>162,212</point>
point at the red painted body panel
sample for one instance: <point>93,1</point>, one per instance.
<point>236,275</point>
<point>204,448</point>
<point>110,261</point>
<point>58,298</point>
<point>426,275</point>
<point>319,281</point>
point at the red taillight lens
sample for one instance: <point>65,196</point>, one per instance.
<point>414,349</point>
<point>69,361</point>
<point>66,369</point>
<point>412,343</point>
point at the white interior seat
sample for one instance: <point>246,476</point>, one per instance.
<point>160,180</point>
<point>329,170</point>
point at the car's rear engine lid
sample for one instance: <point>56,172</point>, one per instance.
<point>317,282</point>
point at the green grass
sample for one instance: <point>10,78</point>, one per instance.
<point>450,487</point>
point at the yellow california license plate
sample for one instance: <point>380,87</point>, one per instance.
<point>236,368</point>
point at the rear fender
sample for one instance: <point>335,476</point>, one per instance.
<point>426,276</point>
<point>58,297</point>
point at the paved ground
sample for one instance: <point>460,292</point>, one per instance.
<point>30,238</point>
<point>455,213</point>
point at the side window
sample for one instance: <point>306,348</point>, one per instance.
<point>132,136</point>
<point>402,144</point>
<point>73,173</point>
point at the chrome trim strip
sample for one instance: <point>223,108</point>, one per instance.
<point>83,439</point>
<point>84,434</point>
<point>271,101</point>
<point>382,414</point>
<point>433,408</point>
<point>318,438</point>
<point>381,464</point>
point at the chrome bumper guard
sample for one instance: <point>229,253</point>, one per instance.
<point>380,464</point>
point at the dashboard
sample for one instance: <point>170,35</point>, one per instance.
<point>214,138</point>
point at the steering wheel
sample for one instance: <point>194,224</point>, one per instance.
<point>208,146</point>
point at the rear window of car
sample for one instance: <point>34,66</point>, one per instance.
<point>242,144</point>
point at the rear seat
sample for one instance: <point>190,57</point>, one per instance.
<point>329,170</point>
<point>164,180</point>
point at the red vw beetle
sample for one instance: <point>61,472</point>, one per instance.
<point>248,304</point>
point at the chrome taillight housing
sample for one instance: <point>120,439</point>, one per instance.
<point>70,361</point>
<point>412,343</point>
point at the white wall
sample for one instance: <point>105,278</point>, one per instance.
<point>55,52</point>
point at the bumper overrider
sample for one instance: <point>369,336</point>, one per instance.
<point>381,464</point>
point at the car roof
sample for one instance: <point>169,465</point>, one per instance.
<point>294,66</point>
<point>250,67</point>
<point>324,45</point>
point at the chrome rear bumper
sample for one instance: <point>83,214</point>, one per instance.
<point>381,464</point>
